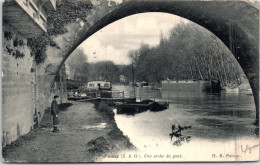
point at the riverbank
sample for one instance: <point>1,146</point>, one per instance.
<point>87,134</point>
<point>111,143</point>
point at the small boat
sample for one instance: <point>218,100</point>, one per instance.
<point>155,88</point>
<point>232,90</point>
<point>159,106</point>
<point>133,108</point>
<point>138,107</point>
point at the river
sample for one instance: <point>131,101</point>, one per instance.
<point>221,126</point>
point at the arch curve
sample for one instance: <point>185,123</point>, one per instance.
<point>235,23</point>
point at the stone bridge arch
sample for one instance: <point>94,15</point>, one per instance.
<point>235,23</point>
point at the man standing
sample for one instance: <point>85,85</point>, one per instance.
<point>55,112</point>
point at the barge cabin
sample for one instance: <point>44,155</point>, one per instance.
<point>99,85</point>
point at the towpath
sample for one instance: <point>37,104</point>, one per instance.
<point>69,145</point>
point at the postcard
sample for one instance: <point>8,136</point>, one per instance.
<point>130,81</point>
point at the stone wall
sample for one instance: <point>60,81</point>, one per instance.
<point>18,86</point>
<point>26,92</point>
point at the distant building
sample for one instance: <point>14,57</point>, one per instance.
<point>122,78</point>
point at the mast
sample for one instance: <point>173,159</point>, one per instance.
<point>98,74</point>
<point>133,77</point>
<point>106,72</point>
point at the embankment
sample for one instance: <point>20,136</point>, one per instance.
<point>112,142</point>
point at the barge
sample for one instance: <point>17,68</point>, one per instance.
<point>142,106</point>
<point>192,85</point>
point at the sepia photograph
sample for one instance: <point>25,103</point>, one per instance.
<point>88,81</point>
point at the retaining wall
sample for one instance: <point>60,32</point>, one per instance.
<point>25,91</point>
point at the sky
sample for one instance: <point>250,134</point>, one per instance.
<point>114,41</point>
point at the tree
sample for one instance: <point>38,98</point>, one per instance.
<point>78,66</point>
<point>189,52</point>
<point>104,71</point>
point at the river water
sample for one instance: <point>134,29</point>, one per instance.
<point>222,125</point>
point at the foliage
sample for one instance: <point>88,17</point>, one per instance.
<point>17,54</point>
<point>81,70</point>
<point>189,52</point>
<point>77,65</point>
<point>38,46</point>
<point>8,35</point>
<point>11,48</point>
<point>66,12</point>
<point>105,70</point>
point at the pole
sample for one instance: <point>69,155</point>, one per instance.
<point>133,77</point>
<point>106,72</point>
<point>98,74</point>
<point>123,93</point>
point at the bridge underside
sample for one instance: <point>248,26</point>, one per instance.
<point>235,23</point>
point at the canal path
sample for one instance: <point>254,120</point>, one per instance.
<point>82,128</point>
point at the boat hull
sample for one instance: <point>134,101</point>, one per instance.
<point>159,106</point>
<point>192,85</point>
<point>132,108</point>
<point>138,107</point>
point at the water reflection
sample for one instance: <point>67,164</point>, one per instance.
<point>212,116</point>
<point>182,140</point>
<point>177,133</point>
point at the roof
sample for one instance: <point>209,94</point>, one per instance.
<point>98,82</point>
